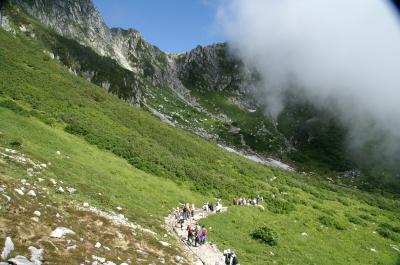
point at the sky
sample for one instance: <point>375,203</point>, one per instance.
<point>172,25</point>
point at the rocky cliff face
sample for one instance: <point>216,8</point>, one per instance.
<point>207,68</point>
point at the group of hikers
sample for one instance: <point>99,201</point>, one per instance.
<point>196,234</point>
<point>209,207</point>
<point>244,202</point>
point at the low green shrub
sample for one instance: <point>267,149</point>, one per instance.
<point>265,235</point>
<point>355,219</point>
<point>279,206</point>
<point>331,222</point>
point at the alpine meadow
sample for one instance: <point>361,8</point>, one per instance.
<point>113,151</point>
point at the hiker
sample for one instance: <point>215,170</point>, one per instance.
<point>197,234</point>
<point>227,255</point>
<point>205,207</point>
<point>181,219</point>
<point>203,236</point>
<point>218,207</point>
<point>185,212</point>
<point>190,233</point>
<point>211,207</point>
<point>193,209</point>
<point>234,260</point>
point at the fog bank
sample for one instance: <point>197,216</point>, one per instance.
<point>342,54</point>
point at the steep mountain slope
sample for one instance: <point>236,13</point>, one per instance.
<point>116,155</point>
<point>207,91</point>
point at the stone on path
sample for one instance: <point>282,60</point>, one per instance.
<point>8,248</point>
<point>59,232</point>
<point>20,260</point>
<point>98,245</point>
<point>36,255</point>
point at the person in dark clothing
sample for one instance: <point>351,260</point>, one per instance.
<point>234,259</point>
<point>197,234</point>
<point>227,255</point>
<point>211,207</point>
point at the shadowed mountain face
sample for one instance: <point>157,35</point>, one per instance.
<point>207,90</point>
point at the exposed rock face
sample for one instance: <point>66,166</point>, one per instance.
<point>76,19</point>
<point>213,68</point>
<point>209,68</point>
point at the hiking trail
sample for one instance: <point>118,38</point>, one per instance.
<point>207,254</point>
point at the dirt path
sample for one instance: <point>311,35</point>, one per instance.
<point>207,254</point>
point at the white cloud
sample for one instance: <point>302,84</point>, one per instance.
<point>343,53</point>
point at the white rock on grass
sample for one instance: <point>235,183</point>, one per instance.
<point>8,198</point>
<point>165,244</point>
<point>37,213</point>
<point>60,190</point>
<point>85,204</point>
<point>32,193</point>
<point>373,250</point>
<point>20,192</point>
<point>53,181</point>
<point>178,258</point>
<point>97,245</point>
<point>109,263</point>
<point>8,248</point>
<point>36,255</point>
<point>119,208</point>
<point>71,190</point>
<point>99,259</point>
<point>58,153</point>
<point>395,248</point>
<point>304,234</point>
<point>20,260</point>
<point>60,232</point>
<point>71,248</point>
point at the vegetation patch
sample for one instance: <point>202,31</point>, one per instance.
<point>279,206</point>
<point>389,231</point>
<point>331,222</point>
<point>355,219</point>
<point>265,235</point>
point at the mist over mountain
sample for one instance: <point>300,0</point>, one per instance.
<point>341,56</point>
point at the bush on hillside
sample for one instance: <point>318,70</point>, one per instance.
<point>389,231</point>
<point>331,222</point>
<point>355,220</point>
<point>265,235</point>
<point>279,206</point>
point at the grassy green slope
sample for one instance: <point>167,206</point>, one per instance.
<point>146,167</point>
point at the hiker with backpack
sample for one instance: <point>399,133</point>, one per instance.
<point>203,236</point>
<point>230,258</point>
<point>197,235</point>
<point>190,233</point>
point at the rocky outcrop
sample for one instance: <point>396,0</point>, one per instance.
<point>208,68</point>
<point>214,68</point>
